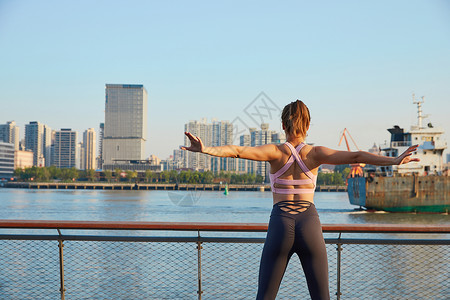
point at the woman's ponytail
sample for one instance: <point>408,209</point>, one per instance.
<point>295,118</point>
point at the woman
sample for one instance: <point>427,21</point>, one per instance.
<point>294,225</point>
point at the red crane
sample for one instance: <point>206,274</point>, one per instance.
<point>356,169</point>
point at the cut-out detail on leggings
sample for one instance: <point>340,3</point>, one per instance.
<point>294,207</point>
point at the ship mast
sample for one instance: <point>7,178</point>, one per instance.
<point>420,117</point>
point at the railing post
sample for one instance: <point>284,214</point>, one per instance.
<point>199,266</point>
<point>338,273</point>
<point>61,265</point>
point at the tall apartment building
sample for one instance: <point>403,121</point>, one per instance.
<point>178,155</point>
<point>195,160</point>
<point>6,160</point>
<point>222,135</point>
<point>38,138</point>
<point>79,156</point>
<point>125,128</point>
<point>100,146</point>
<point>259,138</point>
<point>64,155</point>
<point>278,138</point>
<point>88,153</point>
<point>9,133</point>
<point>243,165</point>
<point>178,158</point>
<point>47,146</point>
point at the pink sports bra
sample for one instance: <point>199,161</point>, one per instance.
<point>274,178</point>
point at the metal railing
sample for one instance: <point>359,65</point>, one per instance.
<point>119,260</point>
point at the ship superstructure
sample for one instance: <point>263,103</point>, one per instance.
<point>430,151</point>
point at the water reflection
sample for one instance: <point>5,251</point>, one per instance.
<point>182,206</point>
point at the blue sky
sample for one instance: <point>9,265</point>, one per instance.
<point>354,63</point>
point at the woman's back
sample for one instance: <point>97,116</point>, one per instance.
<point>293,176</point>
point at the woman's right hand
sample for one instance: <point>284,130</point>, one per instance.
<point>196,143</point>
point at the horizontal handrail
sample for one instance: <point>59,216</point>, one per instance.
<point>210,226</point>
<point>202,239</point>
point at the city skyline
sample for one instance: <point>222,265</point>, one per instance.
<point>67,152</point>
<point>354,64</point>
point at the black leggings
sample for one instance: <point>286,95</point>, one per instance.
<point>299,233</point>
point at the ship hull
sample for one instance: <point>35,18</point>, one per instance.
<point>428,194</point>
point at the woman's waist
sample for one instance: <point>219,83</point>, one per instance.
<point>295,198</point>
<point>294,209</point>
<point>282,188</point>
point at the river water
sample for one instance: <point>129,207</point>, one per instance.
<point>183,206</point>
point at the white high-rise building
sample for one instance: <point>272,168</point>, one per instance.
<point>259,138</point>
<point>100,146</point>
<point>244,165</point>
<point>88,161</point>
<point>38,138</point>
<point>195,160</point>
<point>125,127</point>
<point>7,160</point>
<point>217,133</point>
<point>278,138</point>
<point>47,141</point>
<point>65,148</point>
<point>9,133</point>
<point>222,135</point>
<point>178,158</point>
<point>79,156</point>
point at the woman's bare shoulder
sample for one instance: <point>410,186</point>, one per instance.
<point>306,150</point>
<point>311,155</point>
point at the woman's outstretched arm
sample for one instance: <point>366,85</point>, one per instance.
<point>261,153</point>
<point>324,155</point>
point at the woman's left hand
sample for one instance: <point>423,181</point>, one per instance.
<point>405,157</point>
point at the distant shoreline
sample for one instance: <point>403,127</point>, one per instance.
<point>155,186</point>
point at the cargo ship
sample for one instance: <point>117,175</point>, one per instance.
<point>414,187</point>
